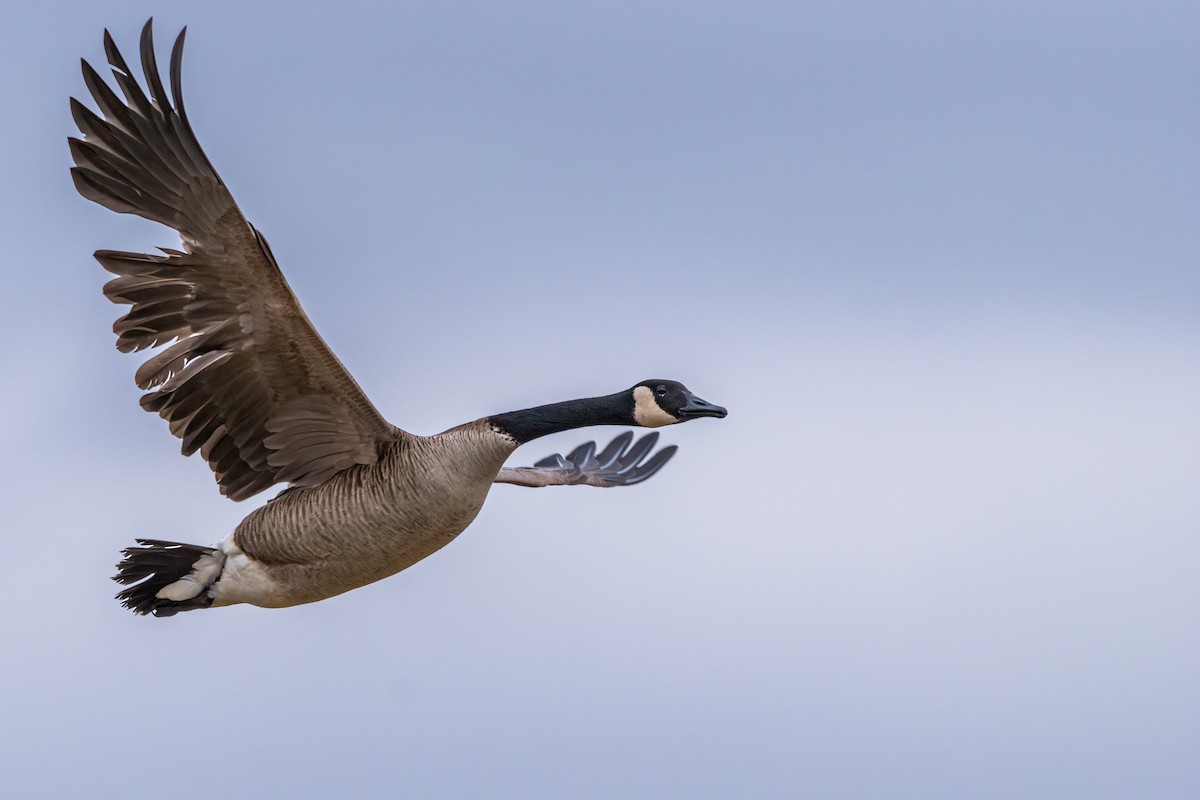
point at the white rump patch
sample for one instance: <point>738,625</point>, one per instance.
<point>244,580</point>
<point>647,412</point>
<point>204,572</point>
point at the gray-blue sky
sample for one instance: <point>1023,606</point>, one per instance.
<point>939,259</point>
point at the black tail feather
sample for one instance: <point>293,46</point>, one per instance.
<point>158,564</point>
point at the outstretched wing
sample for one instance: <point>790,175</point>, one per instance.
<point>622,463</point>
<point>245,378</point>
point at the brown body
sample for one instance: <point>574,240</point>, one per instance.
<point>365,523</point>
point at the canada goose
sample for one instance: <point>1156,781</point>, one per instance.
<point>246,380</point>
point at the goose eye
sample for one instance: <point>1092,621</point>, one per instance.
<point>661,391</point>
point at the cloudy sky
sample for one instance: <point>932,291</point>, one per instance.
<point>939,259</point>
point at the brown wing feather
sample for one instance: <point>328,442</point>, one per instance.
<point>244,379</point>
<point>622,463</point>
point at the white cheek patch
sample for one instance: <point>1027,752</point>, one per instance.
<point>646,410</point>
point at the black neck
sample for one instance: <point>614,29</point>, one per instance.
<point>531,423</point>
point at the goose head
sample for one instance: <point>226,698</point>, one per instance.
<point>659,402</point>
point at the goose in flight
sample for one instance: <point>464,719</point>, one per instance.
<point>243,378</point>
